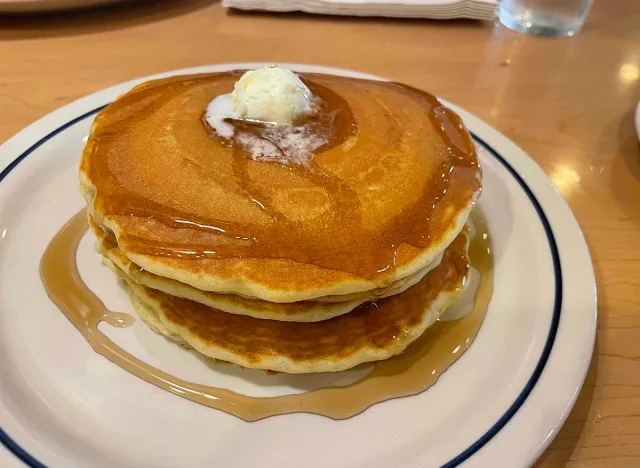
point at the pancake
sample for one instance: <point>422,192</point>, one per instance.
<point>387,193</point>
<point>304,311</point>
<point>372,332</point>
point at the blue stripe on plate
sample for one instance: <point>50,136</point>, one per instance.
<point>42,141</point>
<point>553,329</point>
<point>511,411</point>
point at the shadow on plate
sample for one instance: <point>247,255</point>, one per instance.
<point>304,382</point>
<point>120,15</point>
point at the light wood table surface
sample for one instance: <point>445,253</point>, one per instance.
<point>569,103</point>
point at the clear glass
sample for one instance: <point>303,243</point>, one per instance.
<point>549,18</point>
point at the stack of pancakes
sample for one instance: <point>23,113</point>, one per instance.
<point>284,266</point>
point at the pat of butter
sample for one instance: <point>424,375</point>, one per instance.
<point>271,94</point>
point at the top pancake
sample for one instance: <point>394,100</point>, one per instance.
<point>380,201</point>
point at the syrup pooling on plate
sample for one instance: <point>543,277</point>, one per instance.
<point>407,374</point>
<point>62,281</point>
<point>326,219</point>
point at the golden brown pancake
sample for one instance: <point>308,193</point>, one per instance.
<point>372,332</point>
<point>303,311</point>
<point>379,202</point>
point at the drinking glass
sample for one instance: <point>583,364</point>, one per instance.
<point>549,18</point>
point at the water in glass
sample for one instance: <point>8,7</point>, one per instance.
<point>551,18</point>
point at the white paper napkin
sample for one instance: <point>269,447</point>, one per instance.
<point>436,9</point>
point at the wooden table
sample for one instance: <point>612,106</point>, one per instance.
<point>569,103</point>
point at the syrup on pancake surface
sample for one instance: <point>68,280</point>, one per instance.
<point>305,227</point>
<point>380,200</point>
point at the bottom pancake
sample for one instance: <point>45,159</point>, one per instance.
<point>372,332</point>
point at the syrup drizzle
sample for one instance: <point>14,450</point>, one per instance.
<point>339,240</point>
<point>409,373</point>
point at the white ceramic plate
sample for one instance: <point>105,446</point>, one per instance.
<point>500,404</point>
<point>638,121</point>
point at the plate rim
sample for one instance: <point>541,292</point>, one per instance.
<point>522,397</point>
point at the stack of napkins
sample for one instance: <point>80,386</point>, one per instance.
<point>436,9</point>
